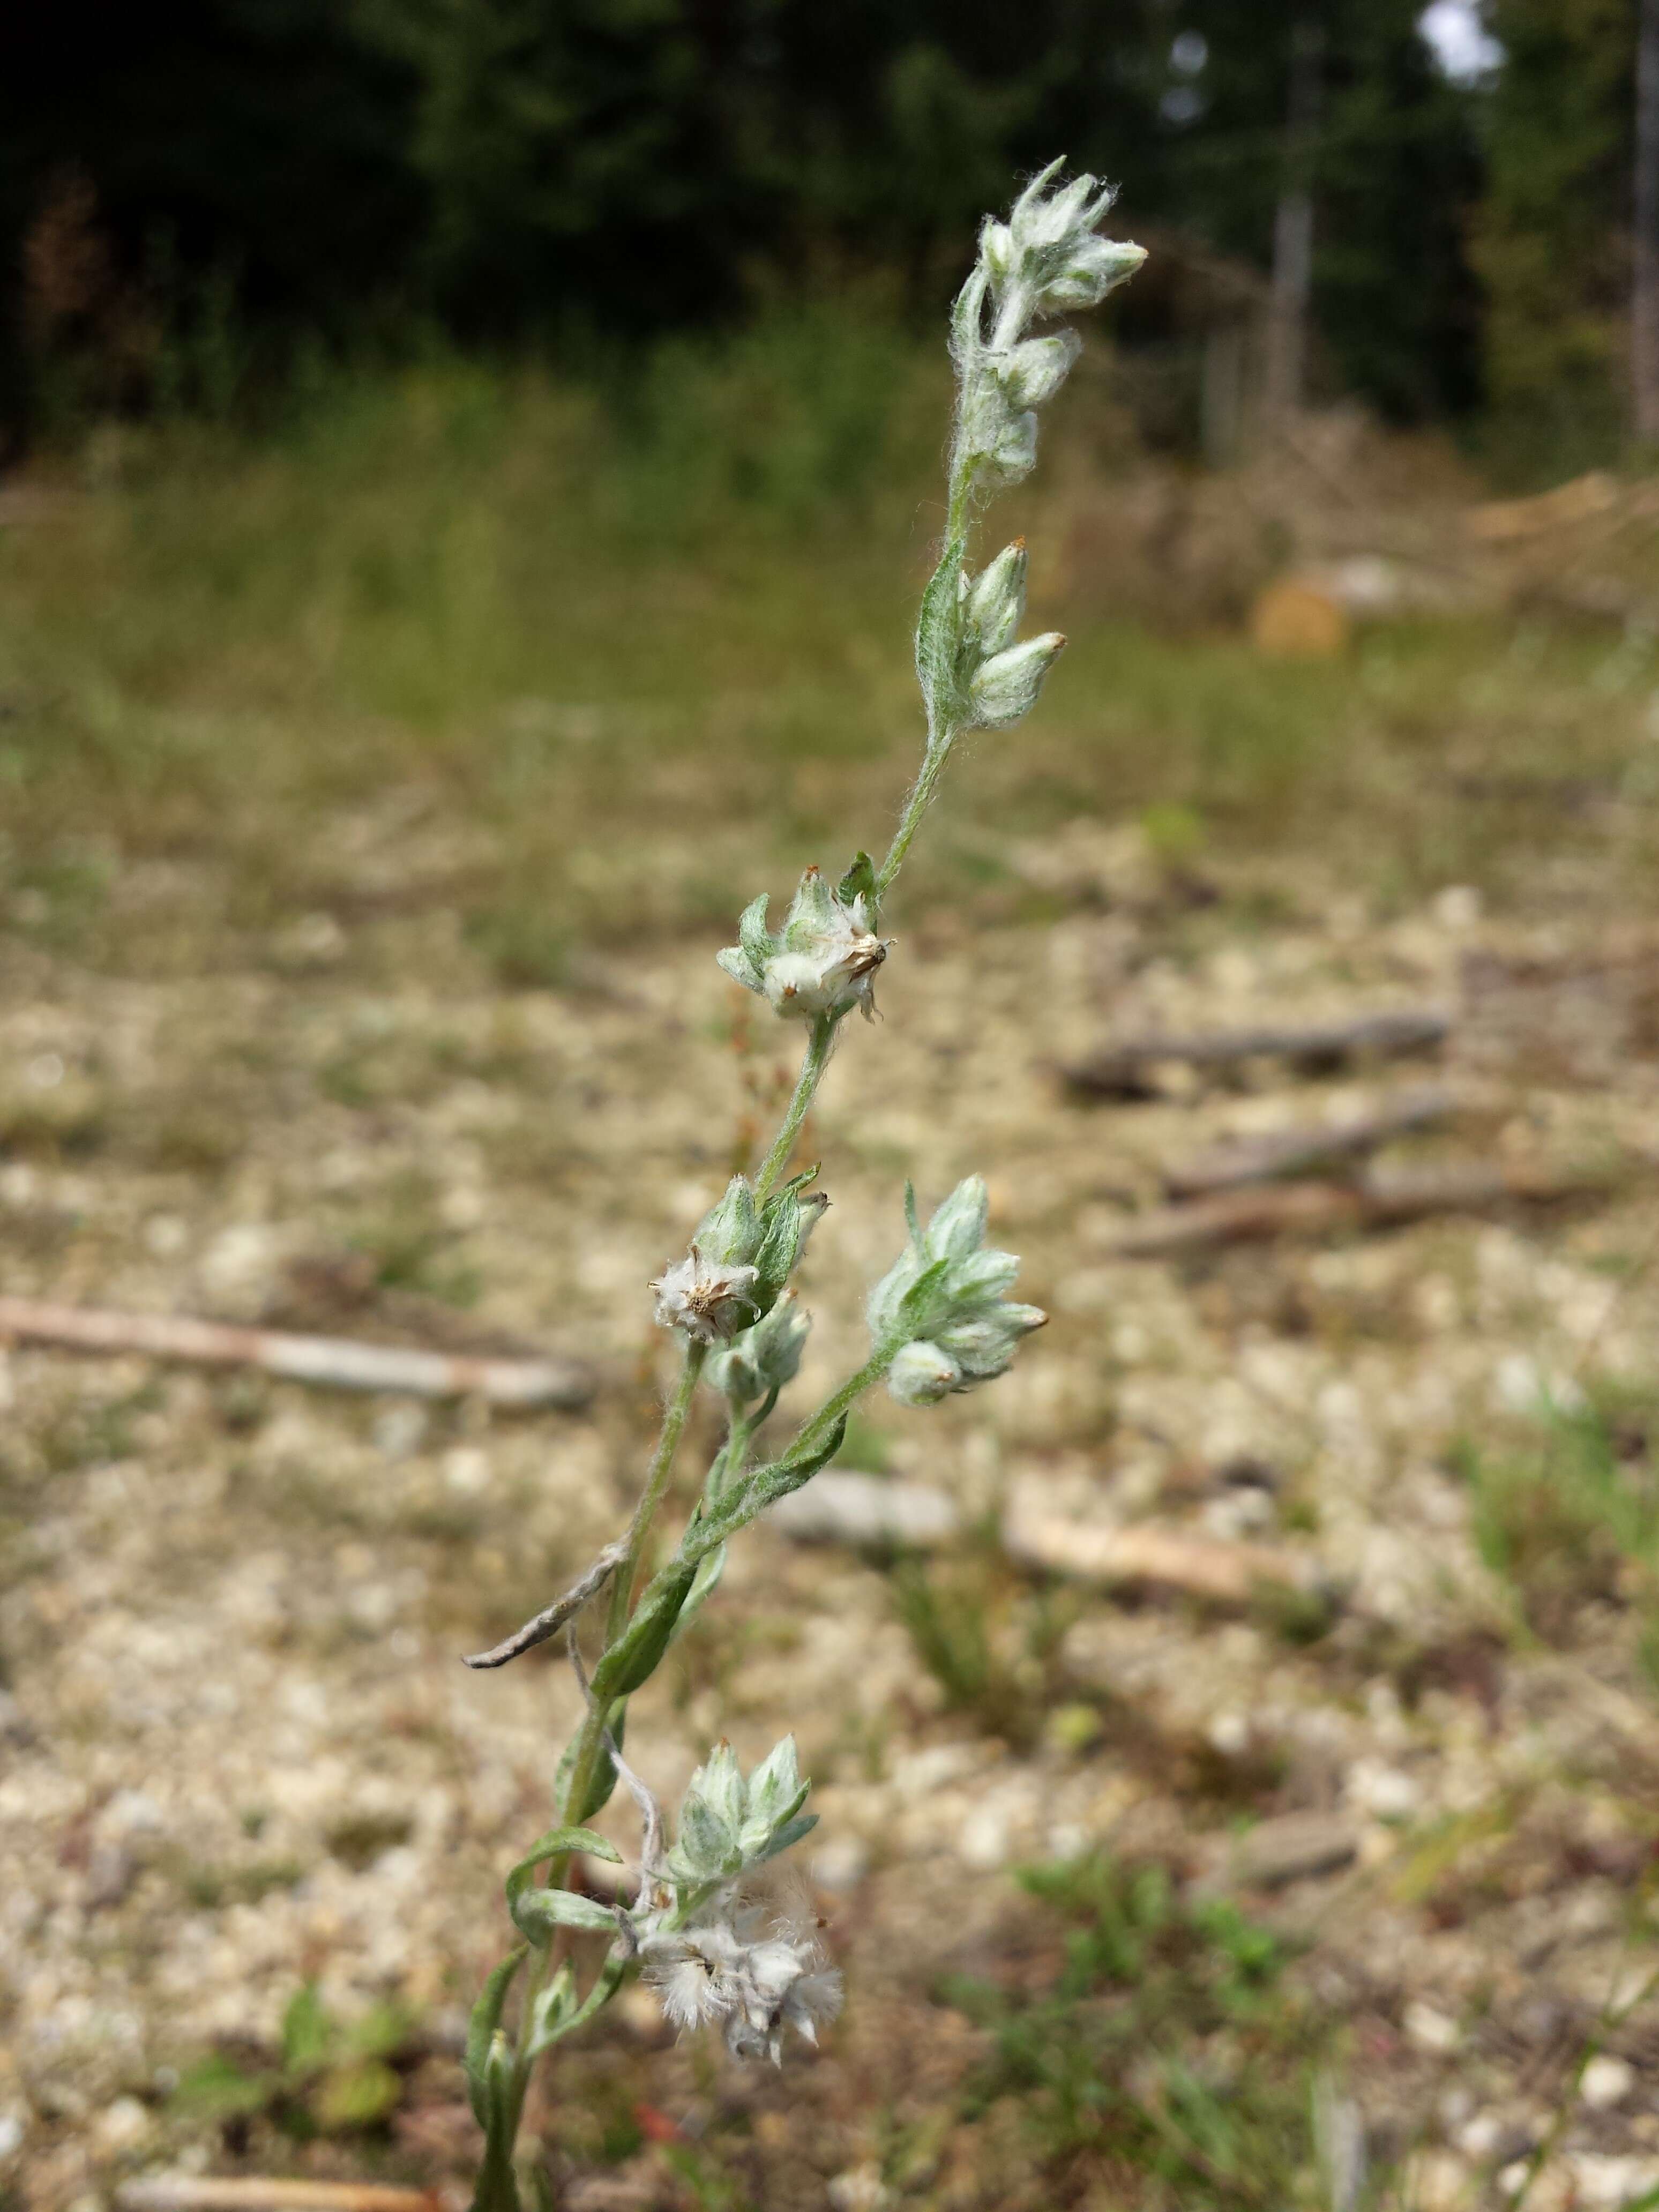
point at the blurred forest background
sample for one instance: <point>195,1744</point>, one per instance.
<point>201,203</point>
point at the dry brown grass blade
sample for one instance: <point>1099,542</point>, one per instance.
<point>339,1361</point>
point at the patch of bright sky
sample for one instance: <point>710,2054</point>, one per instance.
<point>1465,48</point>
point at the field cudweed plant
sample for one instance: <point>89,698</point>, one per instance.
<point>940,1321</point>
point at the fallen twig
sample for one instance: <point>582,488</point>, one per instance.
<point>1373,1201</point>
<point>194,2193</point>
<point>1125,1070</point>
<point>553,1618</point>
<point>337,1360</point>
<point>1290,1152</point>
<point>1203,1566</point>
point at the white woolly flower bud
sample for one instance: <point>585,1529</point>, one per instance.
<point>995,602</point>
<point>824,959</point>
<point>1005,688</point>
<point>764,1358</point>
<point>1030,373</point>
<point>1097,267</point>
<point>1048,259</point>
<point>921,1374</point>
<point>1004,445</point>
<point>998,253</point>
<point>727,1825</point>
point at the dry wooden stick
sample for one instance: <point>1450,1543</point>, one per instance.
<point>1203,1566</point>
<point>1309,1144</point>
<point>337,1360</point>
<point>193,2192</point>
<point>1124,1070</point>
<point>1373,1201</point>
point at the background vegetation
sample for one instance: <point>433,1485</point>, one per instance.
<point>196,198</point>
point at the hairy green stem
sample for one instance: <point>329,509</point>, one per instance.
<point>921,795</point>
<point>656,1486</point>
<point>497,2190</point>
<point>819,1045</point>
<point>842,1400</point>
<point>941,733</point>
<point>590,1742</point>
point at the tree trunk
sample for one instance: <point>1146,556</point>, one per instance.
<point>1293,224</point>
<point>1644,290</point>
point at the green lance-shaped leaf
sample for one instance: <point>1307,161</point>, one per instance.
<point>538,1912</point>
<point>557,1843</point>
<point>481,2028</point>
<point>936,628</point>
<point>790,1832</point>
<point>764,1488</point>
<point>603,1780</point>
<point>554,2012</point>
<point>633,1658</point>
<point>859,882</point>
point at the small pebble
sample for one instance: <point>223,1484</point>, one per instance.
<point>860,2189</point>
<point>1606,2082</point>
<point>466,1470</point>
<point>841,1864</point>
<point>123,2123</point>
<point>1429,2028</point>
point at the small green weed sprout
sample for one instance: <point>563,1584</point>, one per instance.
<point>1568,1522</point>
<point>941,1321</point>
<point>328,2078</point>
<point>1163,2042</point>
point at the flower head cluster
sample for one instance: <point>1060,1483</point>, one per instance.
<point>764,1358</point>
<point>740,1259</point>
<point>824,958</point>
<point>998,673</point>
<point>941,1315</point>
<point>1047,258</point>
<point>727,1826</point>
<point>711,1958</point>
<point>754,1982</point>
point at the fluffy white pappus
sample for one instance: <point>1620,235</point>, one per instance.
<point>756,1986</point>
<point>709,1300</point>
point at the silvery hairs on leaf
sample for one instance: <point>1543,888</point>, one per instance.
<point>941,1315</point>
<point>740,1259</point>
<point>824,960</point>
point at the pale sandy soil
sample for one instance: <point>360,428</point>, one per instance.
<point>238,1750</point>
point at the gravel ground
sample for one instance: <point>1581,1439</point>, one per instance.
<point>240,1754</point>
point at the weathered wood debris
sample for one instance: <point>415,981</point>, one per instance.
<point>340,1362</point>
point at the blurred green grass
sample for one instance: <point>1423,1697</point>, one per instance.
<point>629,628</point>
